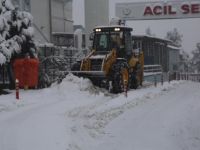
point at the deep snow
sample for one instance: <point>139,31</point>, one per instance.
<point>75,115</point>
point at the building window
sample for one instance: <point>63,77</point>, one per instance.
<point>24,5</point>
<point>64,39</point>
<point>16,2</point>
<point>137,45</point>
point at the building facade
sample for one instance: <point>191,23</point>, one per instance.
<point>158,52</point>
<point>50,16</point>
<point>174,58</point>
<point>96,13</point>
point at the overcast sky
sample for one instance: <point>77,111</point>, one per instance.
<point>189,28</point>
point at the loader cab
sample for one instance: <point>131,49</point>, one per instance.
<point>116,37</point>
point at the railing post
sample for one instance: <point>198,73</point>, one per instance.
<point>168,76</point>
<point>177,75</point>
<point>186,75</point>
<point>155,80</point>
<point>162,79</point>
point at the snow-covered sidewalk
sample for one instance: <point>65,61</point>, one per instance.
<point>75,115</point>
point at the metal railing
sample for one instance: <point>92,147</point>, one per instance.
<point>153,74</point>
<point>187,76</point>
<point>152,70</point>
<point>4,76</point>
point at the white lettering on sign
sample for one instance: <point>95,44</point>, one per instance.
<point>159,10</point>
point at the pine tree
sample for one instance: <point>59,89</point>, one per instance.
<point>184,65</point>
<point>16,33</point>
<point>196,58</point>
<point>175,37</point>
<point>149,32</point>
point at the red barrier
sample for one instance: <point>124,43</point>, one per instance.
<point>26,71</point>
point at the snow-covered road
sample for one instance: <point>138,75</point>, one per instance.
<point>167,121</point>
<point>77,116</point>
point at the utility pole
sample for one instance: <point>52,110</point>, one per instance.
<point>50,20</point>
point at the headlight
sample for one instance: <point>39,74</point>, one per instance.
<point>98,30</point>
<point>117,29</point>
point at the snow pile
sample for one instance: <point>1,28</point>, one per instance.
<point>74,116</point>
<point>16,32</point>
<point>71,88</point>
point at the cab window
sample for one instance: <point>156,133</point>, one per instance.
<point>101,41</point>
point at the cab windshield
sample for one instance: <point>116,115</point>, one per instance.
<point>106,41</point>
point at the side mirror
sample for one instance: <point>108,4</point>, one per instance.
<point>134,45</point>
<point>90,47</point>
<point>91,36</point>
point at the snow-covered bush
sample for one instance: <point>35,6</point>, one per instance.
<point>16,33</point>
<point>175,37</point>
<point>196,59</point>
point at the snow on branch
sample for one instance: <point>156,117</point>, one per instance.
<point>16,33</point>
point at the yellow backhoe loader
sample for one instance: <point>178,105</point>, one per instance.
<point>112,62</point>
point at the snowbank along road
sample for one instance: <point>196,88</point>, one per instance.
<point>75,115</point>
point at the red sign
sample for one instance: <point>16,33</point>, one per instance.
<point>170,10</point>
<point>159,10</point>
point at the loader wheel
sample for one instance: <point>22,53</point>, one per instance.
<point>134,81</point>
<point>120,77</point>
<point>76,66</point>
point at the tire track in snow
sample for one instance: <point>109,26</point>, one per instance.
<point>93,118</point>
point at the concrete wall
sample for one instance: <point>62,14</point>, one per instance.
<point>60,17</point>
<point>40,12</point>
<point>68,17</point>
<point>96,13</point>
<point>173,59</point>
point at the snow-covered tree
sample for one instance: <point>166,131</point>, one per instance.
<point>184,65</point>
<point>196,58</point>
<point>16,33</point>
<point>149,32</point>
<point>175,37</point>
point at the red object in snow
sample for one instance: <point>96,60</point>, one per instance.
<point>26,71</point>
<point>17,88</point>
<point>18,71</point>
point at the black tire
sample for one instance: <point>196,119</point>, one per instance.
<point>117,77</point>
<point>133,81</point>
<point>76,66</point>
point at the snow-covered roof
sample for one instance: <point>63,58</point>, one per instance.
<point>151,37</point>
<point>169,43</point>
<point>44,44</point>
<point>173,47</point>
<point>62,33</point>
